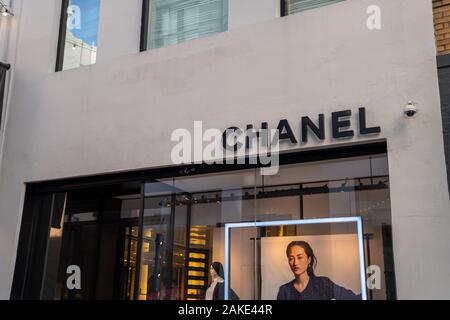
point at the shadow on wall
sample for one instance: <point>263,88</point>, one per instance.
<point>444,88</point>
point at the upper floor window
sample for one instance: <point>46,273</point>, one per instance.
<point>167,22</point>
<point>78,34</point>
<point>294,6</point>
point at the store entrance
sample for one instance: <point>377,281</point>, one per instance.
<point>173,262</point>
<point>98,233</point>
<point>121,253</point>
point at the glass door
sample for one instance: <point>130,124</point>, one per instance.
<point>163,250</point>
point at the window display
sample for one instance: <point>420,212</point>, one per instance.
<point>288,266</point>
<point>165,239</point>
<point>216,291</point>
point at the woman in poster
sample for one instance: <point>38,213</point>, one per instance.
<point>306,285</point>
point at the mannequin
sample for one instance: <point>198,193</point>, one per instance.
<point>216,290</point>
<point>214,271</point>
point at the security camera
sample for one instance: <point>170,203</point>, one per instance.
<point>410,109</point>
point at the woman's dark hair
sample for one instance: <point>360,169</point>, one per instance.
<point>217,266</point>
<point>309,252</point>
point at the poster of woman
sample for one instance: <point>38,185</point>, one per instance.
<point>319,267</point>
<point>306,285</point>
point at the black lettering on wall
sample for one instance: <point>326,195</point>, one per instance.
<point>363,125</point>
<point>339,124</point>
<point>319,131</point>
<point>285,132</point>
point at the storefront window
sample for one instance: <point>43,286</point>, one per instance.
<point>175,248</point>
<point>184,220</point>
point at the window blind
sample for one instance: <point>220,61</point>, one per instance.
<point>294,6</point>
<point>175,21</point>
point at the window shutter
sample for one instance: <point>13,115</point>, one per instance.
<point>175,21</point>
<point>294,6</point>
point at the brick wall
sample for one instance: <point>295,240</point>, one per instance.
<point>441,10</point>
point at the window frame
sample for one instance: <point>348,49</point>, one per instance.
<point>283,8</point>
<point>144,25</point>
<point>62,36</point>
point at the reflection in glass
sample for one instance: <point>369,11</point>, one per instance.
<point>97,230</point>
<point>129,263</point>
<point>182,218</point>
<point>80,42</point>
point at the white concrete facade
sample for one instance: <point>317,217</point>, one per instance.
<point>118,114</point>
